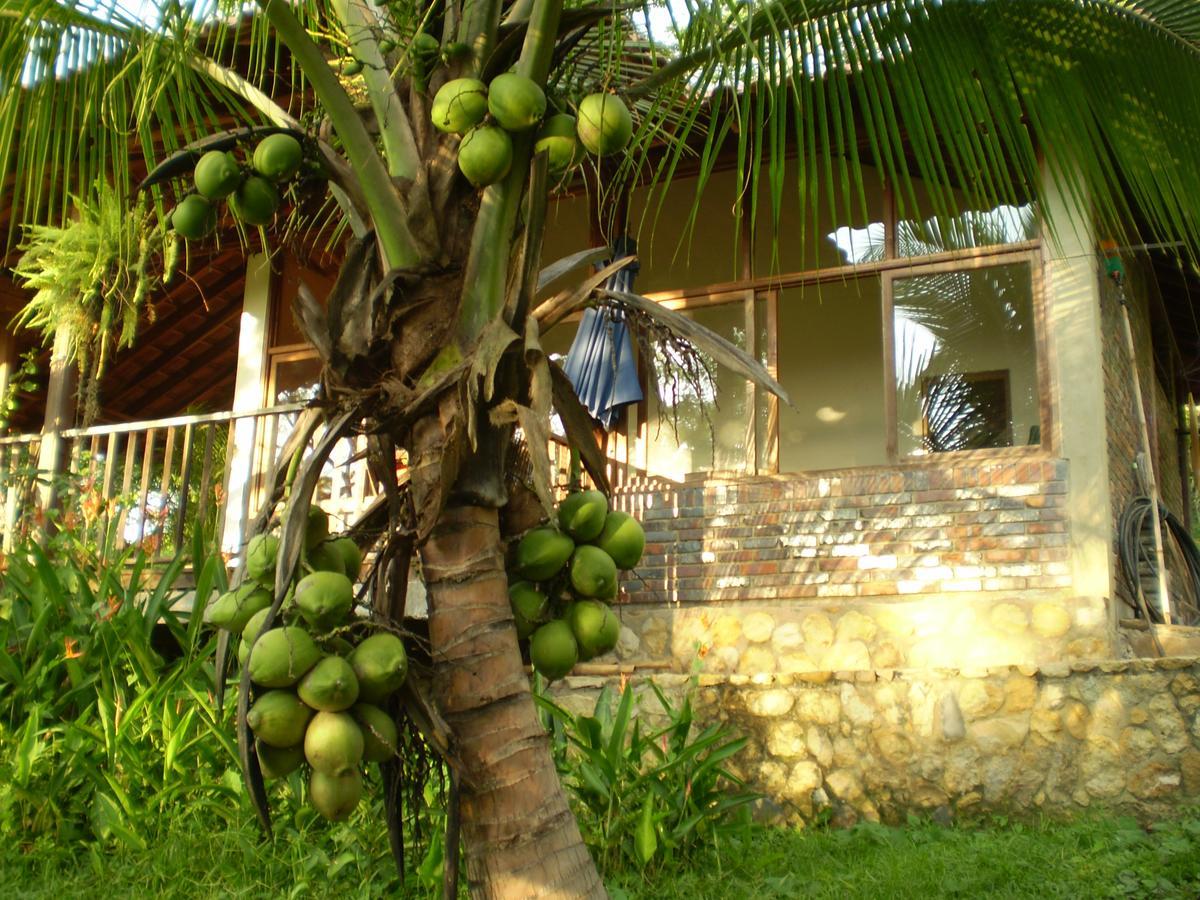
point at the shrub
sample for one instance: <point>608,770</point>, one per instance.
<point>644,796</point>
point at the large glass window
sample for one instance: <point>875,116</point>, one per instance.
<point>704,424</point>
<point>831,364</point>
<point>965,359</point>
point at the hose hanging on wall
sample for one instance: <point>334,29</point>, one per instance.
<point>1134,552</point>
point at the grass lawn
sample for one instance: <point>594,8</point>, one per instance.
<point>1100,857</point>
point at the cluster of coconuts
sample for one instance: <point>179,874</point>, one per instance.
<point>322,677</point>
<point>566,578</point>
<point>251,188</point>
<point>486,116</point>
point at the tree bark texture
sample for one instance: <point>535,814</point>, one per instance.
<point>521,838</point>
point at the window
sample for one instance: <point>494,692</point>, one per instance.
<point>886,355</point>
<point>964,359</point>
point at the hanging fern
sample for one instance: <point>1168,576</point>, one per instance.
<point>91,277</point>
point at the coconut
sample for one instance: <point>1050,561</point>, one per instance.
<point>235,608</point>
<point>593,572</point>
<point>254,626</point>
<point>194,217</point>
<point>380,737</point>
<point>605,125</point>
<point>542,552</point>
<point>553,649</point>
<point>424,46</point>
<point>255,201</point>
<point>329,686</point>
<point>280,657</point>
<point>335,796</point>
<point>485,155</point>
<point>325,598</point>
<point>261,555</point>
<point>217,174</point>
<point>279,719</point>
<point>557,138</point>
<point>582,514</point>
<point>529,606</point>
<point>351,556</point>
<point>516,102</point>
<point>278,157</point>
<point>380,664</point>
<point>326,558</point>
<point>459,105</point>
<point>333,743</point>
<point>278,762</point>
<point>595,626</point>
<point>316,528</point>
<point>623,539</point>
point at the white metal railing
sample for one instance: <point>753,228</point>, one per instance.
<point>161,483</point>
<point>155,483</point>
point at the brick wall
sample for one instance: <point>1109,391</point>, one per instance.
<point>961,562</point>
<point>958,527</point>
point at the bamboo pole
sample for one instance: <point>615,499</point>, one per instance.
<point>1164,600</point>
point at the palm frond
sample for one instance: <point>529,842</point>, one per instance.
<point>986,98</point>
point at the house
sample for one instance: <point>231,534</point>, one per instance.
<point>905,586</point>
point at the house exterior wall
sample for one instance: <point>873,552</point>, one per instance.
<point>964,563</point>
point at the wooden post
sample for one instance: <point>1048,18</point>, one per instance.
<point>249,394</point>
<point>60,415</point>
<point>1164,601</point>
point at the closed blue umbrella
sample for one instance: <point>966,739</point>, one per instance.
<point>600,363</point>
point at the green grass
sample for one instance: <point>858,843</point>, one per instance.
<point>1094,858</point>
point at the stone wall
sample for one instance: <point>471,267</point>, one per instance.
<point>1062,738</point>
<point>962,562</point>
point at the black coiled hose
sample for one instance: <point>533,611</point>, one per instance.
<point>1130,547</point>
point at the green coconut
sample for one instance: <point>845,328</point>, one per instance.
<point>261,555</point>
<point>380,736</point>
<point>325,598</point>
<point>459,105</point>
<point>485,155</point>
<point>553,649</point>
<point>335,796</point>
<point>381,665</point>
<point>254,625</point>
<point>542,552</point>
<point>277,157</point>
<point>424,46</point>
<point>622,538</point>
<point>593,572</point>
<point>316,528</point>
<point>351,556</point>
<point>278,762</point>
<point>595,626</point>
<point>279,718</point>
<point>516,102</point>
<point>217,174</point>
<point>582,513</point>
<point>329,686</point>
<point>333,743</point>
<point>326,558</point>
<point>232,610</point>
<point>557,138</point>
<point>255,201</point>
<point>280,657</point>
<point>194,217</point>
<point>529,606</point>
<point>604,126</point>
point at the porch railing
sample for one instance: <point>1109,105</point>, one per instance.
<point>161,484</point>
<point>155,483</point>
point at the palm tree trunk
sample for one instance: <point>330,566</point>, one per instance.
<point>520,836</point>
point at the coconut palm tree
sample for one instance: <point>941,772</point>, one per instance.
<point>430,338</point>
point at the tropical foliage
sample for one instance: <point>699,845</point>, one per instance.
<point>430,338</point>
